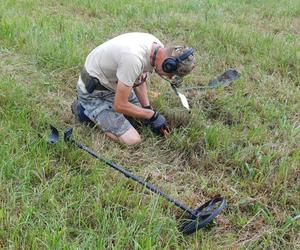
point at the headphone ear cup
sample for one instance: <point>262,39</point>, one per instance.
<point>169,65</point>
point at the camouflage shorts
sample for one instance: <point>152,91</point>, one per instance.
<point>99,108</point>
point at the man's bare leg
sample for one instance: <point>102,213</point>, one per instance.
<point>130,137</point>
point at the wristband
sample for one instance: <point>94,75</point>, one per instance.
<point>154,116</point>
<point>148,107</point>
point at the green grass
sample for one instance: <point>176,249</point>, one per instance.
<point>241,141</point>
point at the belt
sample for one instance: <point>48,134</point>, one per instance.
<point>91,83</point>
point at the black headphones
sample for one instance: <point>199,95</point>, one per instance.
<point>170,64</point>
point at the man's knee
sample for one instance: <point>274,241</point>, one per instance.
<point>130,137</point>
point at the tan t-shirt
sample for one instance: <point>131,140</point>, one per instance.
<point>124,58</point>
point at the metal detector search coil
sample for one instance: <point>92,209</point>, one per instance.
<point>197,218</point>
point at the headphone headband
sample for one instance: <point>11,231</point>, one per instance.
<point>185,55</point>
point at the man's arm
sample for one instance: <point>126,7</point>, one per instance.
<point>121,104</point>
<point>141,92</point>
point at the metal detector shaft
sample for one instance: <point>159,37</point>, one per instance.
<point>131,176</point>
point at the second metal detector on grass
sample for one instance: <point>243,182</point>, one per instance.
<point>197,218</point>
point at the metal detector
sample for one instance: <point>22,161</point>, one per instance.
<point>197,218</point>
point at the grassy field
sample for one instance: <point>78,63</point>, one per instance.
<point>241,141</point>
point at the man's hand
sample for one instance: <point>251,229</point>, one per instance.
<point>157,123</point>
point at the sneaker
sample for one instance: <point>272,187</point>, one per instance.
<point>78,111</point>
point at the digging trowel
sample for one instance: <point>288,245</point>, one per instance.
<point>182,98</point>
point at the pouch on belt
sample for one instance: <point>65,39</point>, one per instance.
<point>91,83</point>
